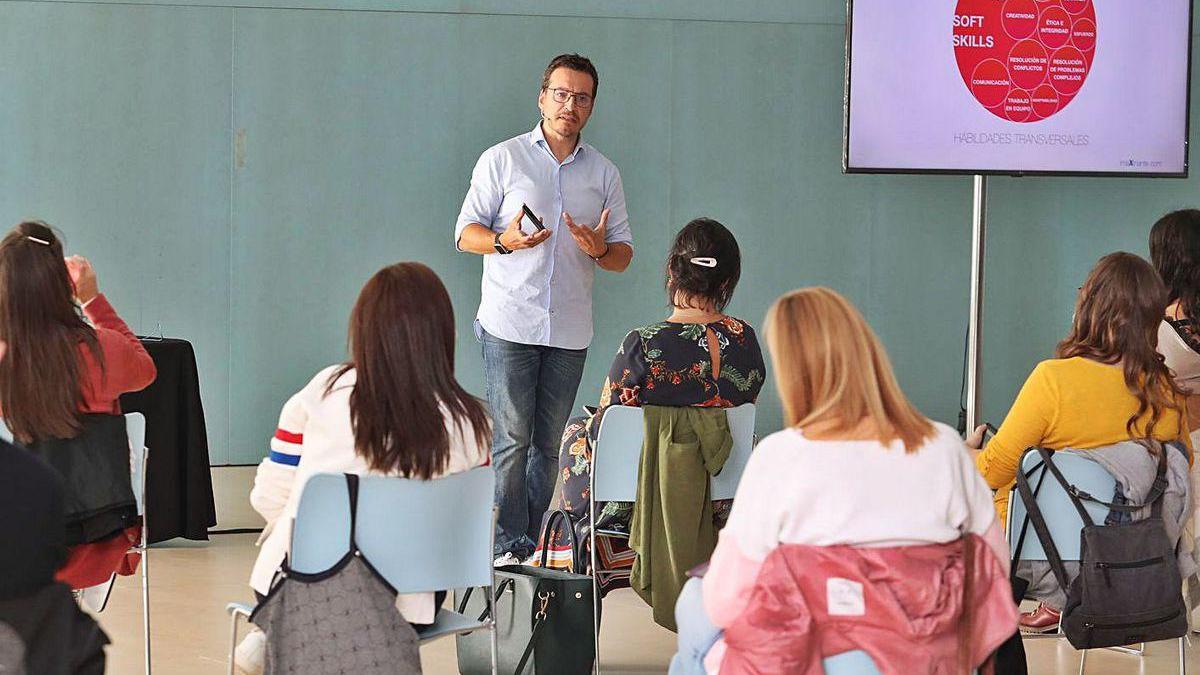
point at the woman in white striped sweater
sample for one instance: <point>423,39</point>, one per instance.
<point>394,409</point>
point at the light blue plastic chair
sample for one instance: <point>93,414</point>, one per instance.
<point>135,429</point>
<point>422,536</point>
<point>1063,521</point>
<point>616,461</point>
<point>856,662</point>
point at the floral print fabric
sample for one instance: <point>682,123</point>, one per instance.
<point>666,364</point>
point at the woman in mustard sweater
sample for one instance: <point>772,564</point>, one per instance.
<point>1106,384</point>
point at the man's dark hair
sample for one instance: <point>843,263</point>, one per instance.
<point>574,62</point>
<point>703,238</point>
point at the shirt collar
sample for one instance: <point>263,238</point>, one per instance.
<point>537,136</point>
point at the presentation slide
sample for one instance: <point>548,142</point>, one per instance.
<point>1020,86</point>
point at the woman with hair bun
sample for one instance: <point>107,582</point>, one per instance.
<point>697,356</point>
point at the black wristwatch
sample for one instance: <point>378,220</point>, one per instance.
<point>500,247</point>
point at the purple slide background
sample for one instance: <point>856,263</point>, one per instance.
<point>908,102</point>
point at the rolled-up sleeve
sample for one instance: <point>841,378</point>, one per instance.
<point>485,195</point>
<point>618,216</point>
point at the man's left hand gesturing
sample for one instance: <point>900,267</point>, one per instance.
<point>591,240</point>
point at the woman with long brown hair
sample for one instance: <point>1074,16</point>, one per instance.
<point>59,368</point>
<point>1107,384</point>
<point>394,408</point>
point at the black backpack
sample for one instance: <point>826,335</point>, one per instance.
<point>1129,588</point>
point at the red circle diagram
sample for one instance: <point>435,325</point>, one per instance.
<point>1024,60</point>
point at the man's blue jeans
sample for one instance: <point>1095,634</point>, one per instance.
<point>531,390</point>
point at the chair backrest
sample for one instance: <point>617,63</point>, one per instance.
<point>618,452</point>
<point>617,455</point>
<point>1061,517</point>
<point>135,428</point>
<point>855,662</point>
<point>420,535</point>
<point>741,425</point>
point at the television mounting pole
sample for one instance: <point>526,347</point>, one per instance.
<point>975,321</point>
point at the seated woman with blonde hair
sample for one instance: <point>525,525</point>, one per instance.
<point>879,506</point>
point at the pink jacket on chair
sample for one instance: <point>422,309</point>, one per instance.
<point>902,605</point>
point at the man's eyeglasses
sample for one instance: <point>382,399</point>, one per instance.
<point>564,95</point>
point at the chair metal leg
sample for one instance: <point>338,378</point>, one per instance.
<point>146,604</point>
<point>1126,650</point>
<point>495,652</point>
<point>144,545</point>
<point>145,550</point>
<point>233,636</point>
<point>491,593</point>
<point>595,575</point>
<point>495,625</point>
<point>1182,659</point>
<point>1082,660</point>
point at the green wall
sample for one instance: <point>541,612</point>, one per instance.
<point>236,173</point>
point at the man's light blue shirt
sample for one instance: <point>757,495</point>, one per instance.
<point>542,295</point>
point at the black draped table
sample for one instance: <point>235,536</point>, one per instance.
<point>179,496</point>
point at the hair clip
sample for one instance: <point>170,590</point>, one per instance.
<point>704,262</point>
<point>43,242</point>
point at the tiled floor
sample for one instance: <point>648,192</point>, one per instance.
<point>191,582</point>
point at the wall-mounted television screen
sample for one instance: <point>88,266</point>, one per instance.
<point>1017,86</point>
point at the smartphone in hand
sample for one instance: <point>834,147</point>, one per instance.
<point>532,217</point>
<point>988,432</point>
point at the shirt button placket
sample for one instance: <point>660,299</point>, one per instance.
<point>550,275</point>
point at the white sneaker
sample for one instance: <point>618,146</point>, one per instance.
<point>250,656</point>
<point>506,559</point>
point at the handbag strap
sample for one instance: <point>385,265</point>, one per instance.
<point>500,588</point>
<point>539,620</point>
<point>1153,498</point>
<point>352,491</point>
<point>560,516</point>
<point>1039,524</point>
<point>1016,558</point>
<point>537,627</point>
<point>1072,491</point>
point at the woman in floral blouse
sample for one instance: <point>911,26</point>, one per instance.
<point>698,356</point>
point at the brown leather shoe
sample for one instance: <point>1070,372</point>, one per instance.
<point>1044,619</point>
